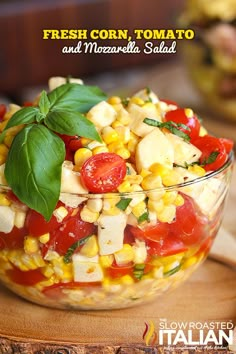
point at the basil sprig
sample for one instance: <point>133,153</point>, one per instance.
<point>33,165</point>
<point>173,127</point>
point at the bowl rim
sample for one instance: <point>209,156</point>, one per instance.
<point>225,166</point>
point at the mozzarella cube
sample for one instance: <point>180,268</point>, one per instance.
<point>70,180</point>
<point>7,218</point>
<point>138,114</point>
<point>147,95</point>
<point>111,232</point>
<point>86,269</point>
<point>57,81</point>
<point>102,115</point>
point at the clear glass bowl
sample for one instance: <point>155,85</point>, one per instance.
<point>123,260</point>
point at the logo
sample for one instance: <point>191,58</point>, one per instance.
<point>204,335</point>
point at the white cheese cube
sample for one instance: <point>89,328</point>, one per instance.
<point>147,95</point>
<point>70,180</point>
<point>7,218</point>
<point>140,252</point>
<point>56,81</point>
<point>154,148</point>
<point>86,269</point>
<point>102,115</point>
<point>138,114</point>
<point>111,232</point>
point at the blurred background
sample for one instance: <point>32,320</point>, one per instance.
<point>27,61</point>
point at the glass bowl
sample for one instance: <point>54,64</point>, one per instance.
<point>118,260</point>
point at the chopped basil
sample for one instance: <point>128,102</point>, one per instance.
<point>210,159</point>
<point>73,247</point>
<point>128,172</point>
<point>125,102</point>
<point>172,271</point>
<point>143,217</point>
<point>171,126</point>
<point>139,271</point>
<point>123,203</point>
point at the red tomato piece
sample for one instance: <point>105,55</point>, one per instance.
<point>179,116</point>
<point>155,232</point>
<point>116,271</point>
<point>13,239</point>
<point>208,145</point>
<point>228,144</point>
<point>13,198</point>
<point>55,291</point>
<point>27,278</point>
<point>103,172</point>
<point>189,226</point>
<point>128,235</point>
<point>68,233</point>
<point>166,247</point>
<point>3,110</point>
<point>72,143</point>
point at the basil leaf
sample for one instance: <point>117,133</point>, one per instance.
<point>71,123</point>
<point>143,217</point>
<point>171,126</point>
<point>44,103</point>
<point>33,168</point>
<point>75,97</point>
<point>25,115</point>
<point>123,203</point>
<point>73,247</point>
<point>139,271</point>
<point>172,271</point>
<point>211,158</point>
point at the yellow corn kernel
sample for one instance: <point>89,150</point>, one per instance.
<point>160,169</point>
<point>125,255</point>
<point>13,108</point>
<point>90,248</point>
<point>20,218</point>
<point>171,259</point>
<point>168,267</point>
<point>4,200</point>
<point>179,200</point>
<point>152,181</point>
<point>156,205</point>
<point>203,131</point>
<point>85,141</point>
<point>167,214</point>
<point>48,271</point>
<point>109,135</point>
<point>144,172</point>
<point>45,283</point>
<point>100,149</point>
<point>134,179</point>
<point>44,238</point>
<point>3,150</point>
<point>198,170</point>
<point>188,112</point>
<point>95,205</point>
<point>3,124</point>
<point>81,155</point>
<point>117,107</point>
<point>133,142</point>
<point>139,209</point>
<point>149,105</point>
<point>88,215</point>
<point>106,261</point>
<point>169,197</point>
<point>124,187</point>
<point>60,213</point>
<point>126,280</point>
<point>3,159</point>
<point>137,100</point>
<point>172,178</point>
<point>190,262</point>
<point>124,153</point>
<point>113,147</point>
<point>114,100</point>
<point>116,124</point>
<point>31,244</point>
<point>123,133</point>
<point>8,140</point>
<point>62,270</point>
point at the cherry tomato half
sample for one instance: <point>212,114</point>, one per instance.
<point>70,231</point>
<point>228,144</point>
<point>28,278</point>
<point>116,271</point>
<point>209,145</point>
<point>3,110</point>
<point>166,247</point>
<point>13,239</point>
<point>154,233</point>
<point>179,116</point>
<point>103,172</point>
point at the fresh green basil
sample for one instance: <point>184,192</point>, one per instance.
<point>74,97</point>
<point>25,115</point>
<point>210,159</point>
<point>143,217</point>
<point>33,168</point>
<point>139,271</point>
<point>71,123</point>
<point>123,203</point>
<point>173,127</point>
<point>73,247</point>
<point>172,271</point>
<point>44,103</point>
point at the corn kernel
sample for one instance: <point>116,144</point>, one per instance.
<point>95,205</point>
<point>133,142</point>
<point>137,100</point>
<point>144,172</point>
<point>170,266</point>
<point>114,100</point>
<point>31,244</point>
<point>85,141</point>
<point>125,255</point>
<point>116,124</point>
<point>124,153</point>
<point>198,170</point>
<point>124,187</point>
<point>109,135</point>
<point>203,131</point>
<point>8,140</point>
<point>167,214</point>
<point>123,133</point>
<point>151,181</point>
<point>3,159</point>
<point>20,218</point>
<point>3,150</point>
<point>188,112</point>
<point>179,200</point>
<point>156,206</point>
<point>60,213</point>
<point>190,262</point>
<point>169,197</point>
<point>113,147</point>
<point>99,150</point>
<point>81,155</point>
<point>106,261</point>
<point>90,248</point>
<point>47,271</point>
<point>172,178</point>
<point>149,105</point>
<point>126,280</point>
<point>139,209</point>
<point>134,179</point>
<point>87,215</point>
<point>44,238</point>
<point>4,200</point>
<point>160,169</point>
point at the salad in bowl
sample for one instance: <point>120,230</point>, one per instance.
<point>106,202</point>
